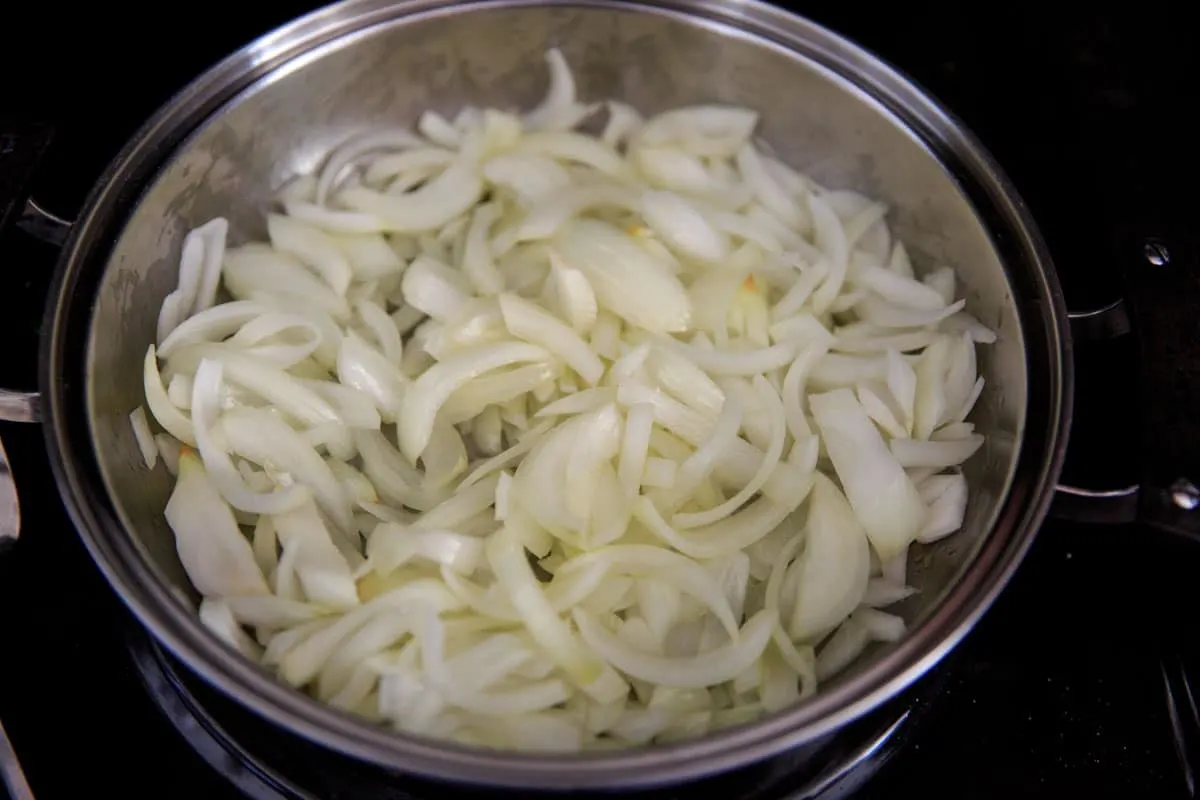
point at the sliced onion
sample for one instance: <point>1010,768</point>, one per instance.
<point>559,110</point>
<point>427,394</point>
<point>206,395</point>
<point>613,262</point>
<point>574,295</point>
<point>882,495</point>
<point>532,178</point>
<point>593,676</point>
<point>478,264</point>
<point>437,202</point>
<point>623,388</point>
<point>701,130</point>
<point>354,149</point>
<point>575,147</point>
<point>495,389</point>
<point>144,436</point>
<point>752,362</point>
<point>254,273</point>
<point>935,455</point>
<point>313,247</point>
<point>684,227</point>
<point>383,169</point>
<point>332,220</point>
<point>834,567</point>
<point>217,557</point>
<point>322,570</point>
<point>774,408</point>
<point>265,439</point>
<point>178,304</point>
<point>765,187</point>
<point>707,669</point>
<point>362,368</point>
<point>526,321</point>
<point>392,546</point>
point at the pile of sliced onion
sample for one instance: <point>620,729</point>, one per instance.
<point>531,438</point>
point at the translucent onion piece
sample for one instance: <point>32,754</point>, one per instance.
<point>332,220</point>
<point>548,216</point>
<point>255,273</point>
<point>216,616</point>
<point>206,395</point>
<point>425,397</point>
<point>434,204</point>
<point>384,168</point>
<point>354,149</point>
<point>478,263</point>
<point>530,177</point>
<point>263,438</point>
<point>362,368</point>
<point>721,538</point>
<point>169,449</point>
<point>701,130</point>
<point>882,495</point>
<point>573,294</point>
<point>214,553</point>
<point>623,122</point>
<point>716,666</point>
<point>766,189</point>
<point>834,566</point>
<point>178,304</point>
<point>774,409</point>
<point>613,262</point>
<point>533,324</point>
<point>391,546</point>
<point>323,572</point>
<point>313,247</point>
<point>143,436</point>
<point>683,227</point>
<point>558,110</point>
<point>575,147</point>
<point>513,573</point>
<point>935,455</point>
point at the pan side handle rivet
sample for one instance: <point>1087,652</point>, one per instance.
<point>1185,494</point>
<point>1156,253</point>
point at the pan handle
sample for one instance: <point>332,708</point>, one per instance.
<point>1166,496</point>
<point>21,150</point>
<point>22,147</point>
<point>1174,508</point>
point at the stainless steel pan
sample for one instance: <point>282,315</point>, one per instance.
<point>235,135</point>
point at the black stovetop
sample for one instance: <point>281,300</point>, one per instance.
<point>1058,693</point>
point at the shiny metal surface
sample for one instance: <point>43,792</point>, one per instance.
<point>10,506</point>
<point>1185,494</point>
<point>12,777</point>
<point>1156,253</point>
<point>836,773</point>
<point>43,224</point>
<point>1099,324</point>
<point>829,108</point>
<point>1184,716</point>
<point>1174,509</point>
<point>1108,506</point>
<point>20,406</point>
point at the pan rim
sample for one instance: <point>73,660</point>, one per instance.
<point>104,535</point>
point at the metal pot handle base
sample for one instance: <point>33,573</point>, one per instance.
<point>1175,507</point>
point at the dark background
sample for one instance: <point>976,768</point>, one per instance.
<point>1058,693</point>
